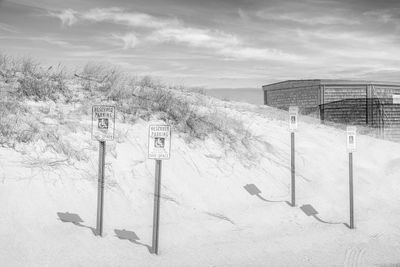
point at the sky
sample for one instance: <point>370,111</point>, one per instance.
<point>211,44</point>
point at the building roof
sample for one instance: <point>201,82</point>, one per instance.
<point>317,82</point>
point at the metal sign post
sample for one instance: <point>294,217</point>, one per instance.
<point>103,124</point>
<point>159,149</point>
<point>156,211</point>
<point>100,188</point>
<point>293,171</point>
<point>351,190</point>
<point>293,118</point>
<point>351,147</point>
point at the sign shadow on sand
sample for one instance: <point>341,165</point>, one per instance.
<point>132,237</point>
<point>253,190</point>
<point>75,219</point>
<point>309,210</point>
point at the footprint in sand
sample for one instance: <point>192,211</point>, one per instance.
<point>354,257</point>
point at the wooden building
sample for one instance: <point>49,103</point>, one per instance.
<point>376,104</point>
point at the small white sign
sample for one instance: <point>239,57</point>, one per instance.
<point>103,122</point>
<point>159,142</point>
<point>351,138</point>
<point>293,117</point>
<point>396,99</point>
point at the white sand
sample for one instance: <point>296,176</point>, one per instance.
<point>207,217</point>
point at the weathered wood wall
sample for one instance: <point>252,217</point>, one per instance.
<point>304,94</point>
<point>358,103</point>
<point>336,93</point>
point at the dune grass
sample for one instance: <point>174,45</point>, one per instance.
<point>135,98</point>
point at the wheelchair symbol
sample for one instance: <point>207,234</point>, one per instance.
<point>102,123</point>
<point>351,140</point>
<point>293,119</point>
<point>159,142</point>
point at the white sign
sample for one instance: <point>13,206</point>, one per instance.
<point>159,141</point>
<point>103,122</point>
<point>351,138</point>
<point>396,99</point>
<point>293,116</point>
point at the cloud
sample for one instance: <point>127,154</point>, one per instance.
<point>171,30</point>
<point>385,15</point>
<point>119,16</point>
<point>129,40</point>
<point>381,16</point>
<point>307,17</point>
<point>67,16</point>
<point>242,14</point>
<point>46,39</point>
<point>224,44</point>
<point>58,42</point>
<point>195,37</point>
<point>322,19</point>
<point>251,53</point>
<point>351,44</point>
<point>7,28</point>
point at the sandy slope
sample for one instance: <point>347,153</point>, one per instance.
<point>207,216</point>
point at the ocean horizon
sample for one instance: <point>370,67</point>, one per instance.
<point>247,95</point>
